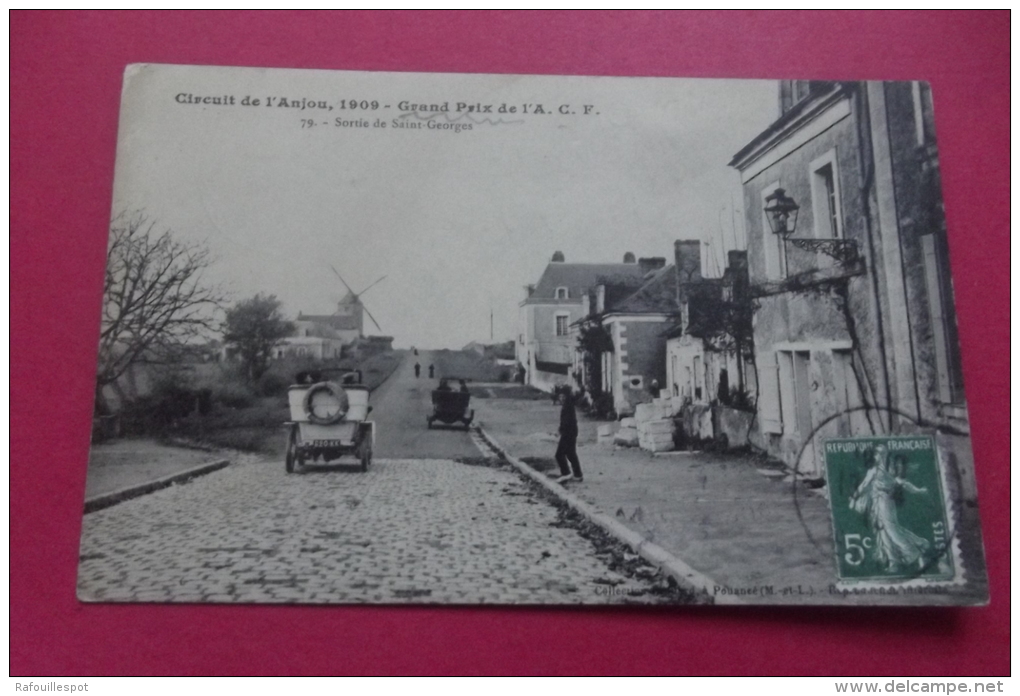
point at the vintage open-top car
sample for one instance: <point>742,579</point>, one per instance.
<point>328,419</point>
<point>450,406</point>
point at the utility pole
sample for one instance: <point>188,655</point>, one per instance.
<point>491,331</point>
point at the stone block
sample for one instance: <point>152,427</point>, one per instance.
<point>626,437</point>
<point>656,427</point>
<point>644,412</point>
<point>657,439</point>
<point>658,446</point>
<point>628,423</point>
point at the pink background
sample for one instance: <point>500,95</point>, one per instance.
<point>65,88</point>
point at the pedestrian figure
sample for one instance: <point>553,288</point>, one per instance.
<point>566,451</point>
<point>417,370</point>
<point>444,386</point>
<point>464,387</point>
<point>432,371</point>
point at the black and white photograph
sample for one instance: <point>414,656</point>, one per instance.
<point>424,338</point>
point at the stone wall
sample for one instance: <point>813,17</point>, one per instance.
<point>736,426</point>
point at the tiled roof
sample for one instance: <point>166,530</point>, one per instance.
<point>578,277</point>
<point>338,322</point>
<point>656,296</point>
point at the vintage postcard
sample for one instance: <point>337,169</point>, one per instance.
<point>505,339</point>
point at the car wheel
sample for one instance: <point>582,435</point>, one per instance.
<point>366,455</point>
<point>294,459</point>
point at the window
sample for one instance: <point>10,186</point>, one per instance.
<point>924,123</point>
<point>802,391</point>
<point>607,372</point>
<point>562,325</point>
<point>825,205</point>
<point>792,92</point>
<point>847,390</point>
<point>774,251</point>
<point>795,388</point>
<point>562,293</point>
<point>698,388</point>
<point>770,407</point>
<point>948,366</point>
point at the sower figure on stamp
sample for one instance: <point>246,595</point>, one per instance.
<point>896,547</point>
<point>566,451</point>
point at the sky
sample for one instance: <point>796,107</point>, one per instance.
<point>458,220</point>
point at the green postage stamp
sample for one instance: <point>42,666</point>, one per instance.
<point>890,516</point>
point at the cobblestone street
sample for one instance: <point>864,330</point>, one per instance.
<point>426,530</point>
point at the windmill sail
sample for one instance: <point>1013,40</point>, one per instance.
<point>355,297</point>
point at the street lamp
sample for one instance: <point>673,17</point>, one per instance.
<point>781,211</point>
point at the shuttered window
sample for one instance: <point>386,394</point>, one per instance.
<point>770,410</point>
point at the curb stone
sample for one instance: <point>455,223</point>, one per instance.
<point>106,500</point>
<point>651,552</point>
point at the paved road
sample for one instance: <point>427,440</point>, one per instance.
<point>399,408</point>
<point>421,528</point>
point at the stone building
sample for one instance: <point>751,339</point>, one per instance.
<point>324,336</point>
<point>854,326</point>
<point>545,343</point>
<point>710,374</point>
<point>633,318</point>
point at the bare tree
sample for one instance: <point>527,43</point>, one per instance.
<point>154,298</point>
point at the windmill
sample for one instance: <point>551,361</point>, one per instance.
<point>355,299</point>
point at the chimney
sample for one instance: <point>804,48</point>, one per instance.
<point>558,257</point>
<point>652,263</point>
<point>687,253</point>
<point>687,257</point>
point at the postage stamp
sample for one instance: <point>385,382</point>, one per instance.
<point>890,517</point>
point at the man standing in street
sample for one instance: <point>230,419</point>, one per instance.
<point>417,370</point>
<point>566,451</point>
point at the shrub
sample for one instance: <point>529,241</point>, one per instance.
<point>244,439</point>
<point>741,399</point>
<point>233,395</point>
<point>602,407</point>
<point>273,384</point>
<point>173,397</point>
